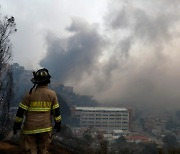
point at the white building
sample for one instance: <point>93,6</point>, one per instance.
<point>103,118</point>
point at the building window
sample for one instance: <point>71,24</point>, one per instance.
<point>105,114</point>
<point>85,114</point>
<point>84,118</point>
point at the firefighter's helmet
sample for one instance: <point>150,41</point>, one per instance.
<point>41,76</point>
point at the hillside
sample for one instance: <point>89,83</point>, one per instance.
<point>22,84</point>
<point>9,146</point>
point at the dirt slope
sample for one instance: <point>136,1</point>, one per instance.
<point>10,147</point>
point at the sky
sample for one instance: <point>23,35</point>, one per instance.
<point>119,51</point>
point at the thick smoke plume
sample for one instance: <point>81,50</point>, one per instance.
<point>135,61</point>
<point>69,59</point>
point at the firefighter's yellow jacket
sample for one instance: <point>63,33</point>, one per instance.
<point>40,106</point>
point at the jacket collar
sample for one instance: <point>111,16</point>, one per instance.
<point>42,86</point>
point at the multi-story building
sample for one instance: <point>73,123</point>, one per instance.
<point>103,118</point>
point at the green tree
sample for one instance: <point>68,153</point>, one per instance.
<point>170,141</point>
<point>171,124</point>
<point>88,137</point>
<point>104,147</point>
<point>121,139</point>
<point>178,114</point>
<point>149,149</point>
<point>66,132</point>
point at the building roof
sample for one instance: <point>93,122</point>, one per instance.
<point>101,109</point>
<point>117,131</point>
<point>135,138</point>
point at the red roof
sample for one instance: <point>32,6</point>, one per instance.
<point>141,138</point>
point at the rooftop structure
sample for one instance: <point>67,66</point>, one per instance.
<point>100,109</point>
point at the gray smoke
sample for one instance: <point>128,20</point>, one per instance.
<point>71,58</point>
<point>134,62</point>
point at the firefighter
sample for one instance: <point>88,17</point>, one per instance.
<point>35,112</point>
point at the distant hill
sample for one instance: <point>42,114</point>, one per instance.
<point>74,99</point>
<point>22,82</point>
